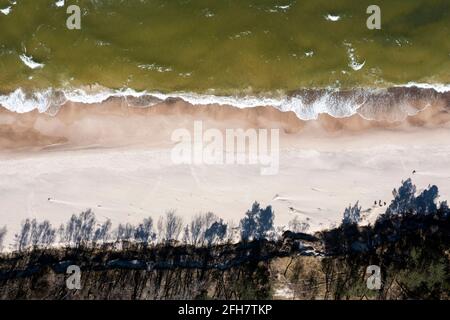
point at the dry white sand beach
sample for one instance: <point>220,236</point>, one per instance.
<point>116,161</point>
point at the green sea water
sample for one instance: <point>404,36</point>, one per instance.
<point>223,46</point>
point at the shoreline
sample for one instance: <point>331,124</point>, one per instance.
<point>115,123</point>
<point>390,103</point>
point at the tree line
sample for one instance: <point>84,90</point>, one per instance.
<point>405,202</point>
<point>203,230</point>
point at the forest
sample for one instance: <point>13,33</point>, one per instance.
<point>209,259</point>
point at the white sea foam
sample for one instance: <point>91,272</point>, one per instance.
<point>6,10</point>
<point>84,96</point>
<point>327,101</point>
<point>18,101</point>
<point>284,8</point>
<point>155,67</point>
<point>439,87</point>
<point>30,63</point>
<point>353,62</point>
<point>332,18</point>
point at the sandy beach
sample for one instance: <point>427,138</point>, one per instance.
<point>116,160</point>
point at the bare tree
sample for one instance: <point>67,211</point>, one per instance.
<point>296,225</point>
<point>173,225</point>
<point>125,232</point>
<point>196,229</point>
<point>79,229</point>
<point>42,233</point>
<point>199,224</point>
<point>2,237</point>
<point>210,218</point>
<point>160,227</point>
<point>102,232</point>
<point>233,231</point>
<point>34,234</point>
<point>352,215</point>
<point>144,232</point>
<point>22,239</point>
<point>186,235</point>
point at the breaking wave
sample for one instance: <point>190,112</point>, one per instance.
<point>391,104</point>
